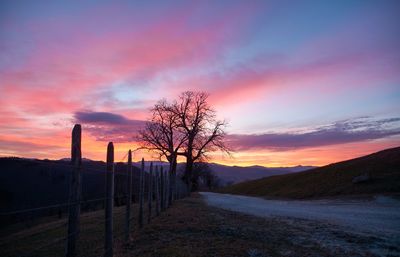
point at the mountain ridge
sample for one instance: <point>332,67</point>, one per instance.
<point>227,174</point>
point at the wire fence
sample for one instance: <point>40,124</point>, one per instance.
<point>96,222</point>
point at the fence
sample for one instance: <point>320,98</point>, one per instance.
<point>154,186</point>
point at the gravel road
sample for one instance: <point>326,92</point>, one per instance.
<point>380,216</point>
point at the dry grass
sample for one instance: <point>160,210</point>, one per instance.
<point>26,242</point>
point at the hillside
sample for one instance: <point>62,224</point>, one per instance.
<point>237,174</point>
<point>380,170</point>
<point>30,183</point>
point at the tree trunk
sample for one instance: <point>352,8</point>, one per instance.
<point>172,175</point>
<point>189,172</point>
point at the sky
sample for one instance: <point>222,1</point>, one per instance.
<point>300,82</point>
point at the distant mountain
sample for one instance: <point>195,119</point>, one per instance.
<point>227,174</point>
<point>83,160</point>
<point>377,173</point>
<point>155,163</point>
<point>236,174</point>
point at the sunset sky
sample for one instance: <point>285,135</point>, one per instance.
<point>300,82</point>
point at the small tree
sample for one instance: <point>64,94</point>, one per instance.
<point>204,176</point>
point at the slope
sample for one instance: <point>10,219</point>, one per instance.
<point>377,173</point>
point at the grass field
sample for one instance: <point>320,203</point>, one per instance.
<point>335,179</point>
<point>43,239</point>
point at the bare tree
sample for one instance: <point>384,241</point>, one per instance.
<point>186,127</point>
<point>161,135</point>
<point>203,131</point>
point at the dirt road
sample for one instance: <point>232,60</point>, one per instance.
<point>379,218</point>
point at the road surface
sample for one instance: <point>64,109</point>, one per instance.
<point>380,216</point>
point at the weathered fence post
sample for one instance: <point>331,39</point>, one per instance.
<point>141,195</point>
<point>167,189</point>
<point>180,190</point>
<point>162,188</point>
<point>108,246</point>
<point>173,186</point>
<point>178,196</point>
<point>157,189</point>
<point>75,192</point>
<point>150,193</point>
<point>129,197</point>
<point>170,186</point>
<point>171,189</point>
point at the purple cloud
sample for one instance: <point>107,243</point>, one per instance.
<point>346,131</point>
<point>106,126</point>
<point>105,118</point>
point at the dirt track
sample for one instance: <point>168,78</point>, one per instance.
<point>379,218</point>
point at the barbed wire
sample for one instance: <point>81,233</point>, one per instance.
<point>59,205</point>
<point>65,204</point>
<point>34,209</point>
<point>55,241</point>
<point>83,167</point>
<point>38,232</point>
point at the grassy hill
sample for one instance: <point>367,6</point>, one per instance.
<point>381,171</point>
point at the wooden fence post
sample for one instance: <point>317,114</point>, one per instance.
<point>150,192</point>
<point>162,188</point>
<point>157,189</point>
<point>170,186</point>
<point>129,197</point>
<point>74,192</point>
<point>181,192</point>
<point>167,189</point>
<point>181,187</point>
<point>173,186</point>
<point>108,245</point>
<point>141,195</point>
<point>177,191</point>
<point>171,189</point>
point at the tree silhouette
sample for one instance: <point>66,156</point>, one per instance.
<point>161,134</point>
<point>186,127</point>
<point>203,131</point>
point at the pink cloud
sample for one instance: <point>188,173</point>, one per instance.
<point>54,70</point>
